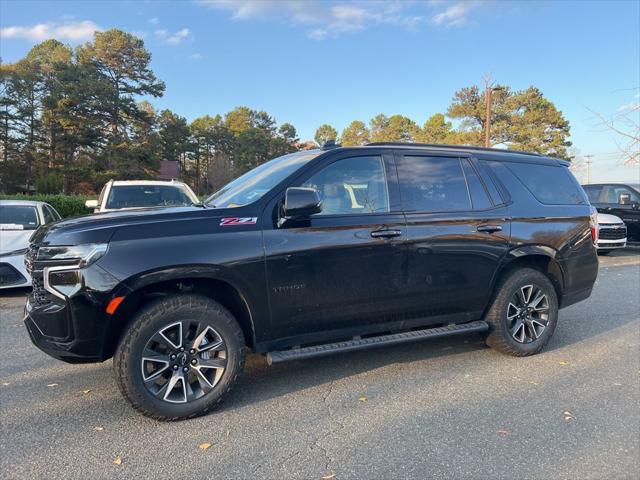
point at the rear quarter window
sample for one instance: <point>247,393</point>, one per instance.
<point>549,184</point>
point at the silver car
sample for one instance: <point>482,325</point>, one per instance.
<point>18,220</point>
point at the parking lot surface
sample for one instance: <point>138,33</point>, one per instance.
<point>450,408</point>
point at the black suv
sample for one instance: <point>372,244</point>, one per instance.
<point>621,200</point>
<point>315,252</point>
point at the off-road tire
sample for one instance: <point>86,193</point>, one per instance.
<point>153,317</point>
<point>499,337</point>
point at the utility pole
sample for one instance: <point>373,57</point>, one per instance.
<point>487,100</point>
<point>588,162</point>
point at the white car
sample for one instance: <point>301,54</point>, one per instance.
<point>611,235</point>
<point>128,194</point>
<point>18,220</point>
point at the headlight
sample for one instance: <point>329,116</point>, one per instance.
<point>65,280</point>
<point>84,254</point>
<point>22,251</point>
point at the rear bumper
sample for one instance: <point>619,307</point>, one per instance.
<point>580,274</point>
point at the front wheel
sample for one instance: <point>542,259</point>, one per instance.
<point>524,313</point>
<point>180,357</point>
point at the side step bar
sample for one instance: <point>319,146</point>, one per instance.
<point>370,342</point>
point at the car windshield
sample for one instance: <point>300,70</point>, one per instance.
<point>18,217</point>
<point>135,196</point>
<point>251,186</point>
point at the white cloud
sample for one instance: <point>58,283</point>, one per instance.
<point>196,56</point>
<point>174,38</point>
<point>456,14</point>
<point>66,30</point>
<point>323,19</point>
<point>629,107</point>
<point>154,21</point>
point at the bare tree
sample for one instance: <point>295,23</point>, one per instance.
<point>626,125</point>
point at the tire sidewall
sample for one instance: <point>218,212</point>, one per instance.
<point>530,277</point>
<point>162,314</point>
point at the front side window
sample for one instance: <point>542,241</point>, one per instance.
<point>613,194</point>
<point>352,186</point>
<point>137,196</point>
<point>432,184</point>
<point>18,217</point>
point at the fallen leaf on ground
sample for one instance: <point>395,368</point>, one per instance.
<point>204,446</point>
<point>568,416</point>
<point>5,384</point>
<point>503,432</point>
<point>618,384</point>
<point>118,460</point>
<point>329,477</point>
<point>98,429</point>
<point>363,398</point>
<point>534,383</point>
<point>562,362</point>
<point>86,391</point>
<point>52,385</point>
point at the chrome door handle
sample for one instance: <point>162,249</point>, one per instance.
<point>489,228</point>
<point>386,233</point>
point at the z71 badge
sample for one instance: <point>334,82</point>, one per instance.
<point>227,222</point>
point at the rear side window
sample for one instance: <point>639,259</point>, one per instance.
<point>550,184</point>
<point>432,184</point>
<point>593,192</point>
<point>479,197</point>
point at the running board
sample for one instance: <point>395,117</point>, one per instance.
<point>370,342</point>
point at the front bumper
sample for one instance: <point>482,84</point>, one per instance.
<point>74,329</point>
<point>13,273</point>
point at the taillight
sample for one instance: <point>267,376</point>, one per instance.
<point>593,224</point>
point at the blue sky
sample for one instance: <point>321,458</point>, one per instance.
<point>332,62</point>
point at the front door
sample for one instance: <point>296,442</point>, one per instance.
<point>344,267</point>
<point>456,236</point>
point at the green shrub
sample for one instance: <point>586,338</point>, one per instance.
<point>66,205</point>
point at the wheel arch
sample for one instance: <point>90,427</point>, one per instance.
<point>208,281</point>
<point>538,257</point>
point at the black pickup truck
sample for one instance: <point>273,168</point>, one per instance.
<point>313,253</point>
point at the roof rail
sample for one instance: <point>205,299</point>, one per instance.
<point>458,147</point>
<point>329,145</point>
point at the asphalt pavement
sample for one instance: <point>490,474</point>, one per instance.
<point>450,408</point>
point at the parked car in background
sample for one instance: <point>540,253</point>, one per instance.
<point>127,194</point>
<point>18,220</point>
<point>312,253</point>
<point>619,199</point>
<point>611,235</point>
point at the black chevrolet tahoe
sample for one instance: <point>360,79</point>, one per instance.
<point>312,253</point>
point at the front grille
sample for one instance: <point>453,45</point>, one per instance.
<point>30,257</point>
<point>39,296</point>
<point>610,233</point>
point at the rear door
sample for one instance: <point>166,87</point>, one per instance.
<point>457,234</point>
<point>343,269</point>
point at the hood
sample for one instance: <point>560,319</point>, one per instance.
<point>100,227</point>
<point>12,240</point>
<point>606,218</point>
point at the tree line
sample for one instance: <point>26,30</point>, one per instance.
<point>72,118</point>
<point>520,120</point>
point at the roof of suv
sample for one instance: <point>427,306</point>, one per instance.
<point>493,153</point>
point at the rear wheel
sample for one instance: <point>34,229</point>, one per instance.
<point>179,358</point>
<point>524,313</point>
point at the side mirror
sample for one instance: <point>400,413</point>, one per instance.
<point>91,204</point>
<point>624,199</point>
<point>300,202</point>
